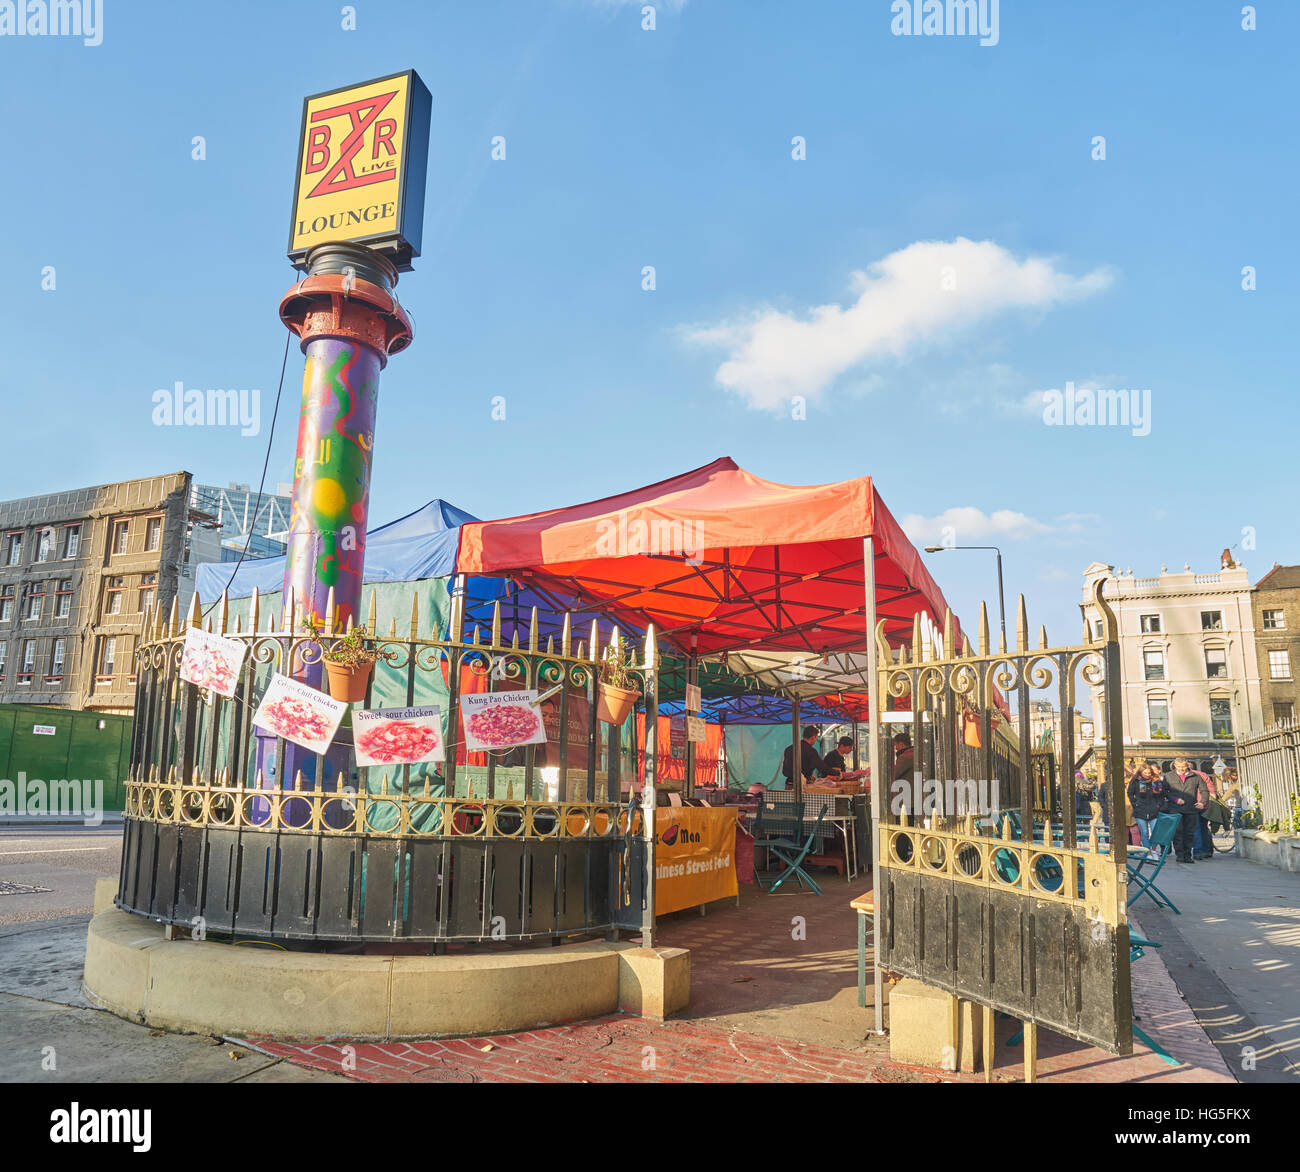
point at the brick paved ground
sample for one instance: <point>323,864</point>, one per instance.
<point>773,999</point>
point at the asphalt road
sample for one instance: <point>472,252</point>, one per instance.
<point>63,859</point>
<point>49,1032</point>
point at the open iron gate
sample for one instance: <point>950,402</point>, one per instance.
<point>980,893</point>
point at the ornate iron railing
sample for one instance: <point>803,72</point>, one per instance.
<point>239,831</point>
<point>999,898</point>
<point>1269,761</point>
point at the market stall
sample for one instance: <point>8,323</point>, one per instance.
<point>719,562</point>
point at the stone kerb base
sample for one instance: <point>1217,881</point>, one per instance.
<point>920,1029</point>
<point>1264,846</point>
<point>191,986</point>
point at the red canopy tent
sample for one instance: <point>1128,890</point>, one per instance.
<point>720,559</point>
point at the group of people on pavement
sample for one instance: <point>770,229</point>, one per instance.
<point>1184,791</point>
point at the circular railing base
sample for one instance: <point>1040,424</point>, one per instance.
<point>203,987</point>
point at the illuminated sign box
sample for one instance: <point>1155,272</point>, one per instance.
<point>362,155</point>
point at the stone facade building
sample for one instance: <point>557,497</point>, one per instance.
<point>78,571</point>
<point>1276,602</point>
<point>1189,672</point>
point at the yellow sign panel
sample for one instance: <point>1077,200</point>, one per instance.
<point>362,152</point>
<point>695,856</point>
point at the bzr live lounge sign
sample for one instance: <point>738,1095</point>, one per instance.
<point>362,155</point>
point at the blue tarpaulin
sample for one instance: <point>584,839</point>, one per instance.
<point>420,545</point>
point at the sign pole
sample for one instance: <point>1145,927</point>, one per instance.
<point>357,220</point>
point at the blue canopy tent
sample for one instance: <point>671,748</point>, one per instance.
<point>420,545</point>
<point>416,547</point>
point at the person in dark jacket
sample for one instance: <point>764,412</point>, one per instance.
<point>1085,793</point>
<point>904,758</point>
<point>810,761</point>
<point>1185,795</point>
<point>1146,793</point>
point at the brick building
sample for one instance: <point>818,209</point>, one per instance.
<point>78,571</point>
<point>1189,676</point>
<point>1276,602</point>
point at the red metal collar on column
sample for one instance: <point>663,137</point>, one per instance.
<point>320,307</point>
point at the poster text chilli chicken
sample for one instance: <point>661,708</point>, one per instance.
<point>695,856</point>
<point>361,167</point>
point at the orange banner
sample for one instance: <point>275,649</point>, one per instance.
<point>695,856</point>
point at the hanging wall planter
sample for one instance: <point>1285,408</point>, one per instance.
<point>348,683</point>
<point>617,692</point>
<point>349,664</point>
<point>613,704</point>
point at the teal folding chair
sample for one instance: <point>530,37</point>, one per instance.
<point>1142,874</point>
<point>791,846</point>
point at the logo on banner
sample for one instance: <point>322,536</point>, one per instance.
<point>361,166</point>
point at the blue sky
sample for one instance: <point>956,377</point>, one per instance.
<point>672,148</point>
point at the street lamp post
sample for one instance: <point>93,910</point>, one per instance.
<point>1002,605</point>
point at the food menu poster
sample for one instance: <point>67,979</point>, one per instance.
<point>299,713</point>
<point>211,661</point>
<point>398,736</point>
<point>502,720</point>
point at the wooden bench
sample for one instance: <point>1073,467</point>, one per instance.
<point>865,906</point>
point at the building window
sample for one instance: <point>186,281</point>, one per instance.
<point>1158,717</point>
<point>1279,665</point>
<point>44,545</point>
<point>113,596</point>
<point>63,600</point>
<point>56,659</point>
<point>1154,663</point>
<point>1150,624</point>
<point>1216,663</point>
<point>120,531</point>
<point>108,656</point>
<point>6,603</point>
<point>153,533</point>
<point>71,541</point>
<point>1211,620</point>
<point>29,662</point>
<point>148,591</point>
<point>35,601</point>
<point>13,549</point>
<point>1097,629</point>
<point>1282,709</point>
<point>1220,718</point>
<point>1274,620</point>
<point>4,652</point>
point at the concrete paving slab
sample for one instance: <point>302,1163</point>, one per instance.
<point>44,959</point>
<point>1234,953</point>
<point>88,1045</point>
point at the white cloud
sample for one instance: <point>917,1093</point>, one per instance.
<point>967,524</point>
<point>1032,404</point>
<point>922,293</point>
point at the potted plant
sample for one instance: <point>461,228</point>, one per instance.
<point>349,662</point>
<point>617,692</point>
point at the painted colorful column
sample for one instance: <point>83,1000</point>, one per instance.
<point>349,322</point>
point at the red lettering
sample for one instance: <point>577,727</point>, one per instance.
<point>384,132</point>
<point>318,148</point>
<point>363,114</point>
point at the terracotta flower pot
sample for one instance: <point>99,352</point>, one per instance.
<point>613,704</point>
<point>348,683</point>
